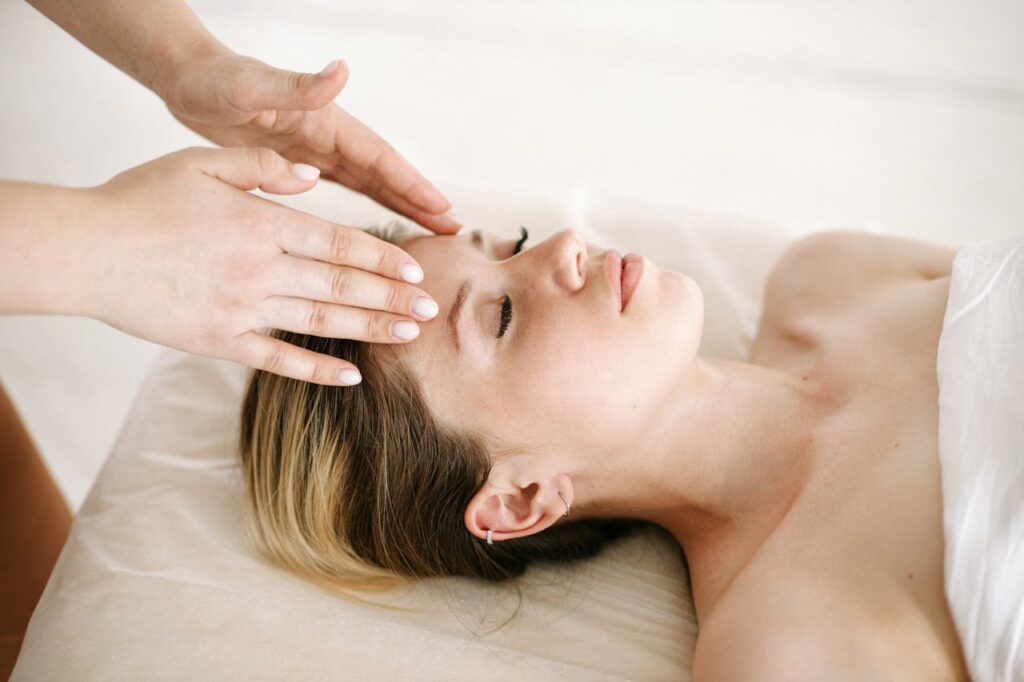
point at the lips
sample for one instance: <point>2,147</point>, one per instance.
<point>632,271</point>
<point>623,274</point>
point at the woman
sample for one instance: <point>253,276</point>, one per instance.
<point>542,417</point>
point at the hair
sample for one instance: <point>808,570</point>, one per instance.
<point>360,488</point>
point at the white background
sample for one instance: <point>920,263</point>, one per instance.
<point>902,116</point>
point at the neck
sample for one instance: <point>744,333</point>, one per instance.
<point>724,458</point>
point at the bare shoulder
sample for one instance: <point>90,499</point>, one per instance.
<point>826,268</point>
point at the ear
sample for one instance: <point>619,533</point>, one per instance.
<point>514,509</point>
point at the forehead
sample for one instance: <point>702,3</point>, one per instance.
<point>444,259</point>
<point>449,245</point>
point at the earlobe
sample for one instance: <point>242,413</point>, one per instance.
<point>512,511</point>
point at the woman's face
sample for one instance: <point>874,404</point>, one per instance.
<point>571,371</point>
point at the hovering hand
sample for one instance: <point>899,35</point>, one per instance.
<point>184,256</point>
<point>239,101</point>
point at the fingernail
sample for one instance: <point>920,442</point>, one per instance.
<point>411,273</point>
<point>349,377</point>
<point>424,307</point>
<point>454,216</point>
<point>403,329</point>
<point>329,69</point>
<point>305,172</point>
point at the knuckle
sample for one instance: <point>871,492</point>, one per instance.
<point>394,298</point>
<point>341,282</point>
<point>382,260</point>
<point>264,159</point>
<point>324,372</point>
<point>377,165</point>
<point>295,82</point>
<point>275,360</point>
<point>378,327</point>
<point>316,319</point>
<point>341,245</point>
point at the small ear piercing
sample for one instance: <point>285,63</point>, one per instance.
<point>567,507</point>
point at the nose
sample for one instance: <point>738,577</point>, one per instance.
<point>569,250</point>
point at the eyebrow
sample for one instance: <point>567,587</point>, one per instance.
<point>465,289</point>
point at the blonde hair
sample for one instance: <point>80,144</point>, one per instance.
<point>359,488</point>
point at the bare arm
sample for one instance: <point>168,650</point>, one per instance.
<point>147,40</point>
<point>179,252</point>
<point>43,234</point>
<point>239,101</point>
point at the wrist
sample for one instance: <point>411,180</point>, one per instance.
<point>177,60</point>
<point>45,249</point>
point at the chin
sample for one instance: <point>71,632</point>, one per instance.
<point>683,302</point>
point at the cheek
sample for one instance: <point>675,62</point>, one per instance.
<point>607,369</point>
<point>578,379</point>
<point>594,375</point>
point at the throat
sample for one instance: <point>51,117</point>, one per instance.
<point>734,452</point>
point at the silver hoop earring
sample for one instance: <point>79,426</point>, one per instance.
<point>567,507</point>
<point>490,537</point>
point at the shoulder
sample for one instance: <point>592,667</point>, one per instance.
<point>875,252</point>
<point>825,267</point>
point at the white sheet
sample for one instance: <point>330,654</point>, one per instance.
<point>156,581</point>
<point>981,448</point>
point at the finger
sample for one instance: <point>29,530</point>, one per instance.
<point>266,87</point>
<point>303,316</point>
<point>443,224</point>
<point>251,168</point>
<point>320,281</point>
<point>278,357</point>
<point>364,149</point>
<point>332,243</point>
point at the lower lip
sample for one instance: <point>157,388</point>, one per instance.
<point>632,271</point>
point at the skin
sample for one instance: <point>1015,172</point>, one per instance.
<point>776,475</point>
<point>152,228</point>
<point>203,274</point>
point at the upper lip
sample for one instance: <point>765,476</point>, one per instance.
<point>616,283</point>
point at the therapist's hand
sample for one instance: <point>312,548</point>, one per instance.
<point>186,257</point>
<point>238,101</point>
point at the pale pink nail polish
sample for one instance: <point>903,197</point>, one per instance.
<point>349,377</point>
<point>329,69</point>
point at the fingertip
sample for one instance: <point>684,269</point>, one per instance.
<point>411,272</point>
<point>447,223</point>
<point>349,377</point>
<point>312,91</point>
<point>305,172</point>
<point>331,79</point>
<point>329,70</point>
<point>429,198</point>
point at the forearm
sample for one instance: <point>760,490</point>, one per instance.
<point>45,235</point>
<point>147,39</point>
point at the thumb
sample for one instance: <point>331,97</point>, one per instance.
<point>251,168</point>
<point>291,91</point>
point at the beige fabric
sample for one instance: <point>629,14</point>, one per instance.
<point>157,580</point>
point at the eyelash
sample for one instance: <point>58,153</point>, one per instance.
<point>506,304</point>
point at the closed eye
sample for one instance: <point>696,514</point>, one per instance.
<point>506,303</point>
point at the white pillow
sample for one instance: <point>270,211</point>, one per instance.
<point>158,581</point>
